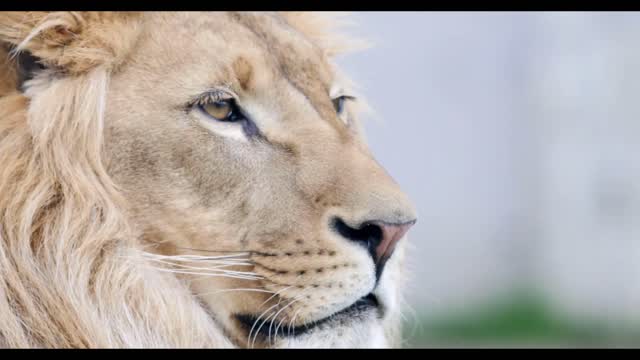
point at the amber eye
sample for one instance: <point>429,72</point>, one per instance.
<point>222,110</point>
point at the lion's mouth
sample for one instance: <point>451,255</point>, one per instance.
<point>359,307</point>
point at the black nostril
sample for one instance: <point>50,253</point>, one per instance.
<point>378,237</point>
<point>368,234</point>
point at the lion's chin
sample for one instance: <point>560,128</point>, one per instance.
<point>353,326</point>
<point>363,330</point>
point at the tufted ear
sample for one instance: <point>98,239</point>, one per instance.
<point>325,30</point>
<point>72,42</point>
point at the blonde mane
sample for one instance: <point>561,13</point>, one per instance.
<point>72,272</point>
<point>69,272</point>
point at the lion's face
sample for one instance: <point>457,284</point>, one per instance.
<point>232,135</point>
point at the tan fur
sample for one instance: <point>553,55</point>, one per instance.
<point>116,200</point>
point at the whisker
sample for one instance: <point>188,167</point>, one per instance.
<point>206,269</point>
<point>220,274</point>
<point>276,317</point>
<point>266,301</point>
<point>205,262</point>
<point>207,272</point>
<point>221,251</point>
<point>264,322</point>
<point>256,322</point>
<point>218,270</point>
<point>276,293</point>
<point>255,336</point>
<point>238,289</point>
<point>293,319</point>
<point>295,315</point>
<point>219,262</point>
<point>199,278</point>
<point>296,299</point>
<point>190,257</point>
<point>417,326</point>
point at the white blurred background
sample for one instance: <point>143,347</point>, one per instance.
<point>516,135</point>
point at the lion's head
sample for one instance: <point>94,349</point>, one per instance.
<point>218,158</point>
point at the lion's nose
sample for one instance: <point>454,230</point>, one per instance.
<point>379,237</point>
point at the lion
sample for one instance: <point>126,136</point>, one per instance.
<point>186,179</point>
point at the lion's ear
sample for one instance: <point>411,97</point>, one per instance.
<point>73,42</point>
<point>325,30</point>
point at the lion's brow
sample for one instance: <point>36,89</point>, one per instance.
<point>297,74</point>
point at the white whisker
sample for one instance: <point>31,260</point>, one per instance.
<point>205,269</point>
<point>210,261</point>
<point>190,256</point>
<point>256,322</point>
<point>276,293</point>
<point>265,321</point>
<point>220,274</point>
<point>239,289</point>
<point>295,314</point>
<point>263,313</point>
<point>275,317</point>
<point>293,319</point>
<point>296,299</point>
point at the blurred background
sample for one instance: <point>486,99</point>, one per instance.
<point>516,135</point>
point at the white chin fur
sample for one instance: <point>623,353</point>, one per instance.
<point>356,334</point>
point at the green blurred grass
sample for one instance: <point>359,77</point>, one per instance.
<point>521,318</point>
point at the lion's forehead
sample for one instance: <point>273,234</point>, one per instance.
<point>240,49</point>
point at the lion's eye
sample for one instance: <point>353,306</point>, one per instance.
<point>222,110</point>
<point>219,109</point>
<point>338,103</point>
